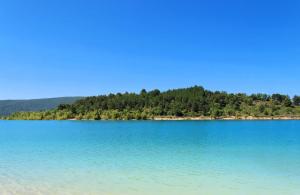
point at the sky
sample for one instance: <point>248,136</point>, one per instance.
<point>55,48</point>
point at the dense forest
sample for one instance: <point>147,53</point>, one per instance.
<point>8,107</point>
<point>187,102</point>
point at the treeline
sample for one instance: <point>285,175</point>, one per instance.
<point>187,102</point>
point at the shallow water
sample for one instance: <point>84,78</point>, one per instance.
<point>150,157</point>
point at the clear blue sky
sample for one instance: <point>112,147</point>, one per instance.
<point>89,47</point>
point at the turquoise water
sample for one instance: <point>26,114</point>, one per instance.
<point>148,157</point>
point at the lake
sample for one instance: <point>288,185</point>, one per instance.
<point>150,157</point>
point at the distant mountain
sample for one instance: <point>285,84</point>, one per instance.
<point>8,107</point>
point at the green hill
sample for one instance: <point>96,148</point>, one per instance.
<point>8,107</point>
<point>187,102</point>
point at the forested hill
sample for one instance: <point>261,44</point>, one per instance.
<point>186,102</point>
<point>8,107</point>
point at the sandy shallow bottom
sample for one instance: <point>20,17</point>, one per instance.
<point>147,157</point>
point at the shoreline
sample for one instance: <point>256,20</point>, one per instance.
<point>200,118</point>
<point>246,118</point>
<point>174,118</point>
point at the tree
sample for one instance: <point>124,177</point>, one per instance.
<point>296,100</point>
<point>280,98</point>
<point>143,92</point>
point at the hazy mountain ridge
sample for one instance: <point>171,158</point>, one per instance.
<point>8,107</point>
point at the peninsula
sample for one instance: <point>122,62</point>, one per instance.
<point>194,103</point>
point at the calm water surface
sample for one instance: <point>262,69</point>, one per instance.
<point>147,157</point>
